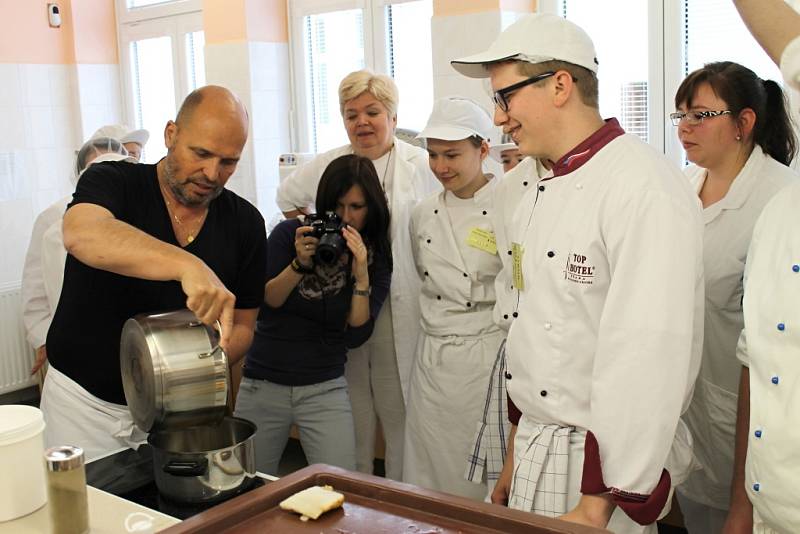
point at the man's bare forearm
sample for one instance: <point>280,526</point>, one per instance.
<point>96,238</point>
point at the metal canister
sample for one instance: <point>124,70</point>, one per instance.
<point>66,490</point>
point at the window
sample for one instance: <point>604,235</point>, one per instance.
<point>623,58</point>
<point>326,66</point>
<point>410,60</point>
<point>645,54</point>
<point>332,38</point>
<point>715,32</point>
<point>162,60</point>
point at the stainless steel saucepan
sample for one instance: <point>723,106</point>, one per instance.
<point>174,372</point>
<point>204,463</point>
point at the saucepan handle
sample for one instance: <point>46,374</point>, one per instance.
<point>187,468</point>
<point>217,348</point>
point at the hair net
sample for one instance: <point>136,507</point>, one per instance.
<point>93,148</point>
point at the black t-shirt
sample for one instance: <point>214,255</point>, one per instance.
<point>305,341</point>
<point>83,340</point>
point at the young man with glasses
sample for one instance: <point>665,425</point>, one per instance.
<point>607,263</point>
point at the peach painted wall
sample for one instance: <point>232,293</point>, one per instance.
<point>444,8</point>
<point>26,36</point>
<point>227,21</point>
<point>266,21</point>
<point>520,6</point>
<point>224,21</point>
<point>95,29</point>
<point>88,32</point>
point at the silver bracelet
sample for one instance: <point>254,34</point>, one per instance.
<point>362,292</point>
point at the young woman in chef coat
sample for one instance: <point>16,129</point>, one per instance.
<point>736,131</point>
<point>452,237</point>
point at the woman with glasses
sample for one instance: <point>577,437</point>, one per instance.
<point>453,236</point>
<point>377,372</point>
<point>736,132</point>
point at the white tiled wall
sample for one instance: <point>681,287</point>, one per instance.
<point>41,122</point>
<point>98,97</point>
<point>259,73</point>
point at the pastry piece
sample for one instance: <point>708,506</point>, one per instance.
<point>313,502</point>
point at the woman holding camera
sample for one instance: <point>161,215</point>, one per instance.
<point>378,371</point>
<point>326,284</point>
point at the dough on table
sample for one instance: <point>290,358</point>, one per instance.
<point>313,502</point>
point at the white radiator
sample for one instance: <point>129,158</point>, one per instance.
<point>16,356</point>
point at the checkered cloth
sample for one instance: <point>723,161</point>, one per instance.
<point>489,444</point>
<point>539,482</point>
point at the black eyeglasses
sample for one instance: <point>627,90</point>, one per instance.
<point>501,96</point>
<point>693,118</point>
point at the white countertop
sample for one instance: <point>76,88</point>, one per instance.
<point>107,515</point>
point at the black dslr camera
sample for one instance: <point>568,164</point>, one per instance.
<point>328,229</point>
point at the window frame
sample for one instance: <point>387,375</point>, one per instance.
<point>168,8</point>
<point>376,55</point>
<point>174,20</point>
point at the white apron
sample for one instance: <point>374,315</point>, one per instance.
<point>73,416</point>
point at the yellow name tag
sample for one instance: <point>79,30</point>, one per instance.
<point>483,240</point>
<point>516,261</point>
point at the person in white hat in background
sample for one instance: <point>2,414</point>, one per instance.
<point>607,260</point>
<point>452,236</point>
<point>133,140</point>
<point>43,271</point>
<point>506,153</point>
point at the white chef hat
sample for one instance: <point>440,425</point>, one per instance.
<point>454,118</point>
<point>496,151</point>
<point>534,38</point>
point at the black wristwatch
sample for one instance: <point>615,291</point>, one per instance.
<point>300,268</point>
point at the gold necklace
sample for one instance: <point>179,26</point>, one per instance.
<point>191,235</point>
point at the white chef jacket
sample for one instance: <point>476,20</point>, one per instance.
<point>459,342</point>
<point>508,194</point>
<point>770,346</point>
<point>409,179</point>
<point>37,308</point>
<point>609,332</point>
<point>711,417</point>
<point>457,295</point>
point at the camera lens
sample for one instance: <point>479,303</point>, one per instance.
<point>330,248</point>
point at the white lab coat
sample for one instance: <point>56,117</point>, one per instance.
<point>771,297</point>
<point>41,287</point>
<point>457,348</point>
<point>609,332</point>
<point>411,180</point>
<point>711,417</point>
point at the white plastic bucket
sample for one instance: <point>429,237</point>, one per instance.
<point>23,486</point>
